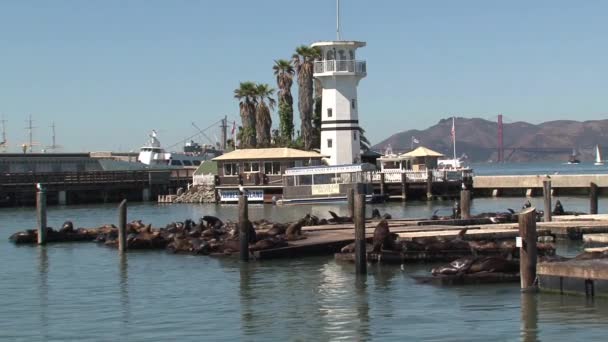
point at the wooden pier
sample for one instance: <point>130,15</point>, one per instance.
<point>532,185</point>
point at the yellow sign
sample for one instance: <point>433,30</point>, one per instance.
<point>325,189</point>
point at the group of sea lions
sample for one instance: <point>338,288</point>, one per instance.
<point>469,265</point>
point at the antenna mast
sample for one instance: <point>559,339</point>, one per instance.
<point>30,129</point>
<point>338,20</point>
<point>3,142</point>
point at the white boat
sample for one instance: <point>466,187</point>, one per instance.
<point>598,157</point>
<point>194,154</point>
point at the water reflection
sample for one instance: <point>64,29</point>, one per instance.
<point>362,303</point>
<point>247,298</point>
<point>529,317</point>
<point>43,288</point>
<point>123,284</point>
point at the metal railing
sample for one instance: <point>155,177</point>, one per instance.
<point>394,176</point>
<point>353,66</point>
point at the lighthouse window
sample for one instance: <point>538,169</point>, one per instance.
<point>353,103</point>
<point>329,113</point>
<point>329,143</point>
<point>355,136</point>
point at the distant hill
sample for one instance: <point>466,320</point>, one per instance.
<point>478,139</point>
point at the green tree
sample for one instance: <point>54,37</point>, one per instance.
<point>303,61</point>
<point>262,113</point>
<point>284,71</point>
<point>316,117</point>
<point>246,93</point>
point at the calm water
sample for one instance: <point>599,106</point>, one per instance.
<point>88,292</point>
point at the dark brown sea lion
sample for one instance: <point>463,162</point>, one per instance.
<point>68,227</point>
<point>383,239</point>
<point>212,221</point>
<point>340,219</point>
<point>493,264</point>
<point>294,230</point>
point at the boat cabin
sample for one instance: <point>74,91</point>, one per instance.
<point>326,183</point>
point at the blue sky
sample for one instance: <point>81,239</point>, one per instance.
<point>107,72</point>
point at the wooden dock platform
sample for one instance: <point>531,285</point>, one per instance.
<point>581,277</point>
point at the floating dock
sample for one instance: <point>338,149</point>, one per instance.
<point>580,277</point>
<point>532,185</point>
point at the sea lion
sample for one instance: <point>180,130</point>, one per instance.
<point>559,209</point>
<point>212,221</point>
<point>68,227</point>
<point>340,219</point>
<point>493,264</point>
<point>294,230</point>
<point>383,239</point>
<point>456,267</point>
<point>376,214</point>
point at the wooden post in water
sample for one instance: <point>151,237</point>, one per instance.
<point>527,251</point>
<point>429,185</point>
<point>403,187</point>
<point>465,204</point>
<point>382,185</point>
<point>41,215</point>
<point>547,196</point>
<point>360,250</point>
<point>350,199</point>
<point>593,198</point>
<point>244,227</point>
<point>122,226</point>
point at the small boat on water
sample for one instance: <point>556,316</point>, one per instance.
<point>573,160</point>
<point>598,157</point>
<point>194,154</point>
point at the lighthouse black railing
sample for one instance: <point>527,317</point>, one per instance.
<point>358,67</point>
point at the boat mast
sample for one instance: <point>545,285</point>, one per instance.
<point>30,129</point>
<point>454,137</point>
<point>3,142</point>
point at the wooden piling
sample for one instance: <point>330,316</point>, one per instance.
<point>465,204</point>
<point>593,198</point>
<point>360,250</point>
<point>41,215</point>
<point>547,197</point>
<point>403,187</point>
<point>122,226</point>
<point>527,251</point>
<point>429,185</point>
<point>244,227</point>
<point>350,199</point>
<point>382,184</point>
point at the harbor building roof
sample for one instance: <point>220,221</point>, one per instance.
<point>268,153</point>
<point>421,152</point>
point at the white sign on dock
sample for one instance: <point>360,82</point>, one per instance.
<point>325,189</point>
<point>233,195</point>
<point>518,242</point>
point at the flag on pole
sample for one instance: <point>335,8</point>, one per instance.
<point>415,141</point>
<point>453,133</point>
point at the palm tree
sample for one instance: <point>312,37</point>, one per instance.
<point>262,114</point>
<point>246,93</point>
<point>316,116</point>
<point>364,144</point>
<point>283,70</point>
<point>303,61</point>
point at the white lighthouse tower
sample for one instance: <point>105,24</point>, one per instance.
<point>340,72</point>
